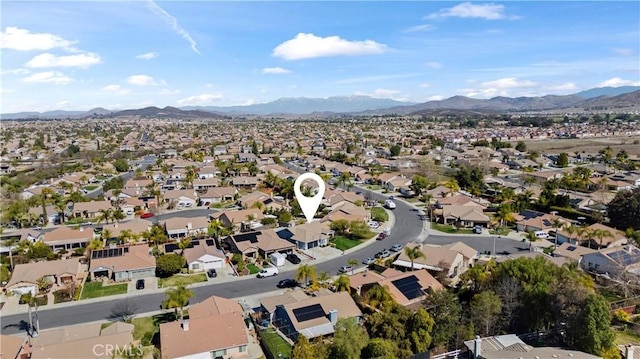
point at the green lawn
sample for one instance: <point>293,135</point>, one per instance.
<point>626,337</point>
<point>252,268</point>
<point>176,280</point>
<point>276,344</point>
<point>90,187</point>
<point>379,214</point>
<point>501,231</point>
<point>146,328</point>
<point>344,243</point>
<point>95,290</point>
<point>446,228</point>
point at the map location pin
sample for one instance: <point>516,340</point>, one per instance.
<point>309,205</point>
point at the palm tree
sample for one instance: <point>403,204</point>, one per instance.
<point>633,235</point>
<point>452,185</point>
<point>352,263</point>
<point>323,279</point>
<point>61,208</point>
<point>183,244</point>
<point>413,253</point>
<point>177,297</point>
<point>531,236</point>
<point>117,215</point>
<point>106,235</point>
<point>504,215</point>
<point>304,273</point>
<point>584,233</point>
<point>95,244</point>
<point>601,234</point>
<point>342,283</point>
<point>378,296</point>
<point>556,223</point>
<point>106,214</point>
<point>155,235</point>
<point>571,229</point>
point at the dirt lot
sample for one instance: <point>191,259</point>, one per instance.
<point>590,145</point>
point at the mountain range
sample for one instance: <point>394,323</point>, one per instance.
<point>597,98</point>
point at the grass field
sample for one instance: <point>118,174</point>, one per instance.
<point>146,328</point>
<point>344,243</point>
<point>379,214</point>
<point>176,280</point>
<point>252,268</point>
<point>626,337</point>
<point>96,289</point>
<point>592,145</point>
<point>276,344</point>
<point>446,228</point>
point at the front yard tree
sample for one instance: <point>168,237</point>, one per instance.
<point>305,273</point>
<point>380,348</point>
<point>349,339</point>
<point>340,226</point>
<point>178,298</point>
<point>595,334</point>
<point>624,209</point>
<point>303,349</point>
<point>445,309</point>
<point>485,310</point>
<point>563,160</point>
<point>124,309</point>
<point>169,264</point>
<point>121,165</point>
<point>413,253</point>
<point>419,183</point>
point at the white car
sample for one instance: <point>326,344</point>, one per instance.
<point>368,260</point>
<point>373,224</point>
<point>396,247</point>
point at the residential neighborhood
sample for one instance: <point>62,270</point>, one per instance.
<point>413,217</point>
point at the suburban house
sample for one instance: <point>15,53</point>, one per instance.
<point>308,235</point>
<point>572,251</point>
<point>137,226</point>
<point>532,221</point>
<point>240,221</point>
<point>408,289</point>
<point>510,346</point>
<point>616,239</point>
<point>181,197</point>
<point>614,260</point>
<point>200,255</point>
<point>215,329</point>
<point>245,182</point>
<point>268,305</point>
<point>23,234</point>
<point>67,238</point>
<point>437,258</point>
<point>348,211</point>
<point>204,184</point>
<point>83,341</point>
<point>90,209</point>
<point>336,198</point>
<point>122,263</point>
<point>259,243</point>
<point>315,316</point>
<point>179,227</point>
<point>464,216</point>
<point>14,347</point>
<point>24,278</point>
<point>218,195</point>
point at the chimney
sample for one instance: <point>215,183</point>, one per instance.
<point>477,347</point>
<point>333,316</point>
<point>185,325</point>
<point>628,351</point>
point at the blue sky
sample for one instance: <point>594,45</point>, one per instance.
<point>77,55</point>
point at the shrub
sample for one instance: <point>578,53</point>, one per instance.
<point>236,258</point>
<point>621,316</point>
<point>76,294</point>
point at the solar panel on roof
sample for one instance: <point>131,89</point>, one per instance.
<point>571,248</point>
<point>309,312</point>
<point>210,242</point>
<point>409,287</point>
<point>194,243</point>
<point>106,253</point>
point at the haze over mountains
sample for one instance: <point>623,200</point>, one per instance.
<point>605,97</point>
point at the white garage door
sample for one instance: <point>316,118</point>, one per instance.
<point>213,264</point>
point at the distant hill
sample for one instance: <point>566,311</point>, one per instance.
<point>622,97</point>
<point>304,105</point>
<point>607,91</point>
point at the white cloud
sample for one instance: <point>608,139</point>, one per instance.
<point>22,40</point>
<point>617,82</point>
<point>469,10</point>
<point>383,93</point>
<point>15,72</point>
<point>78,60</point>
<point>275,70</point>
<point>174,24</point>
<point>434,65</point>
<point>147,56</point>
<point>355,80</point>
<point>424,85</point>
<point>144,80</point>
<point>53,77</point>
<point>307,46</point>
<point>116,89</point>
<point>507,83</point>
<point>435,98</point>
<point>63,104</point>
<point>567,86</point>
<point>419,28</point>
<point>624,52</point>
<point>200,100</point>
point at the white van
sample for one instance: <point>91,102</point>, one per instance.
<point>542,234</point>
<point>268,272</point>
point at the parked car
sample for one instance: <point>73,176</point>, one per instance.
<point>140,284</point>
<point>369,260</point>
<point>373,224</point>
<point>477,229</point>
<point>146,215</point>
<point>542,234</point>
<point>287,283</point>
<point>268,272</point>
<point>293,258</point>
<point>212,273</point>
<point>383,254</point>
<point>381,236</point>
<point>345,269</point>
<point>396,247</point>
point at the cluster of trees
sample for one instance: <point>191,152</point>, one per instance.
<point>518,296</point>
<point>624,210</point>
<point>353,229</point>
